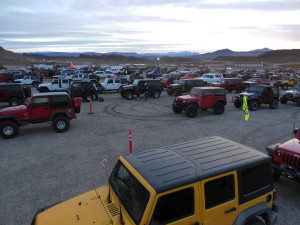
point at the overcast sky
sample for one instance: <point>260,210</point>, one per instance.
<point>146,26</point>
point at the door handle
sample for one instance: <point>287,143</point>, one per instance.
<point>230,210</point>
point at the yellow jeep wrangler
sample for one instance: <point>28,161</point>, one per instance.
<point>286,82</point>
<point>211,181</point>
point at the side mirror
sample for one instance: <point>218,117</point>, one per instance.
<point>295,131</point>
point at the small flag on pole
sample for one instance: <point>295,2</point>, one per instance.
<point>72,65</point>
<point>245,108</point>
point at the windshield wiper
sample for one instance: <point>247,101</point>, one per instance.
<point>121,217</point>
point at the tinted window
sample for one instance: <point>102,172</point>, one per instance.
<point>256,178</point>
<point>38,102</point>
<point>219,191</point>
<point>15,88</point>
<point>3,88</point>
<point>117,81</point>
<point>59,101</point>
<point>208,93</point>
<point>174,206</point>
<point>55,82</point>
<point>65,81</point>
<point>86,85</point>
<point>219,92</point>
<point>76,84</point>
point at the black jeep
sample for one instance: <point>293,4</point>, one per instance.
<point>185,85</point>
<point>14,94</point>
<point>155,88</point>
<point>257,95</point>
<point>84,89</point>
<point>291,95</point>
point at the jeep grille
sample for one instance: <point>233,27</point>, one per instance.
<point>291,160</point>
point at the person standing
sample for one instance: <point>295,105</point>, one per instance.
<point>145,91</point>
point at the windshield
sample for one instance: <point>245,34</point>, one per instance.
<point>258,89</point>
<point>195,91</point>
<point>135,82</point>
<point>27,77</point>
<point>130,192</point>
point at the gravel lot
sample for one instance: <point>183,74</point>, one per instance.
<point>40,167</point>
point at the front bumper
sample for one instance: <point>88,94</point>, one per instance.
<point>287,171</point>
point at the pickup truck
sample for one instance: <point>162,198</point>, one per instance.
<point>55,85</point>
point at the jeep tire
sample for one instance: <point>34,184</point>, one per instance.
<point>60,124</point>
<point>170,92</point>
<point>238,104</point>
<point>14,102</point>
<point>177,108</point>
<point>285,86</point>
<point>178,92</point>
<point>43,89</point>
<point>283,101</point>
<point>255,221</point>
<point>274,104</point>
<point>298,102</point>
<point>156,94</point>
<point>253,105</point>
<point>219,108</point>
<point>129,95</point>
<point>9,129</point>
<point>191,110</point>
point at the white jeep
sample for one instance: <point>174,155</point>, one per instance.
<point>113,83</point>
<point>55,85</point>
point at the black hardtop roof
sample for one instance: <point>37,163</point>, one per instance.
<point>49,94</point>
<point>181,164</point>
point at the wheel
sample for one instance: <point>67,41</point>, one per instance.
<point>156,94</point>
<point>239,89</point>
<point>219,108</point>
<point>274,104</point>
<point>298,102</point>
<point>177,109</point>
<point>283,101</point>
<point>191,110</point>
<point>276,174</point>
<point>42,90</point>
<point>9,129</point>
<point>27,91</point>
<point>170,92</point>
<point>238,104</point>
<point>285,86</point>
<point>253,105</point>
<point>129,95</point>
<point>77,109</point>
<point>35,84</point>
<point>178,92</point>
<point>255,221</point>
<point>60,124</point>
<point>88,97</point>
<point>14,102</point>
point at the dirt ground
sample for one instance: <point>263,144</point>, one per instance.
<point>40,167</point>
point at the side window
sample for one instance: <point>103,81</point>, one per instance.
<point>255,178</point>
<point>59,102</point>
<point>174,206</point>
<point>110,81</point>
<point>55,82</point>
<point>86,85</point>
<point>39,102</point>
<point>65,81</point>
<point>219,92</point>
<point>219,191</point>
<point>117,81</point>
<point>15,88</point>
<point>3,88</point>
<point>208,93</point>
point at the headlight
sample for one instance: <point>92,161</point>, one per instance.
<point>278,152</point>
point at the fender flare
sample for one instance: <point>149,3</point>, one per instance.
<point>261,209</point>
<point>186,104</point>
<point>219,101</point>
<point>270,149</point>
<point>60,113</point>
<point>14,118</point>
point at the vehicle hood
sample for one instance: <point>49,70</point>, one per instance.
<point>13,110</point>
<point>45,85</point>
<point>128,86</point>
<point>89,208</point>
<point>187,97</point>
<point>217,84</point>
<point>175,85</point>
<point>248,94</point>
<point>292,145</point>
<point>293,92</point>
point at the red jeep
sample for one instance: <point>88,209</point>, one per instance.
<point>286,158</point>
<point>257,81</point>
<point>231,84</point>
<point>201,98</point>
<point>57,108</point>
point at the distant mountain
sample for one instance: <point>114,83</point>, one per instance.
<point>9,58</point>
